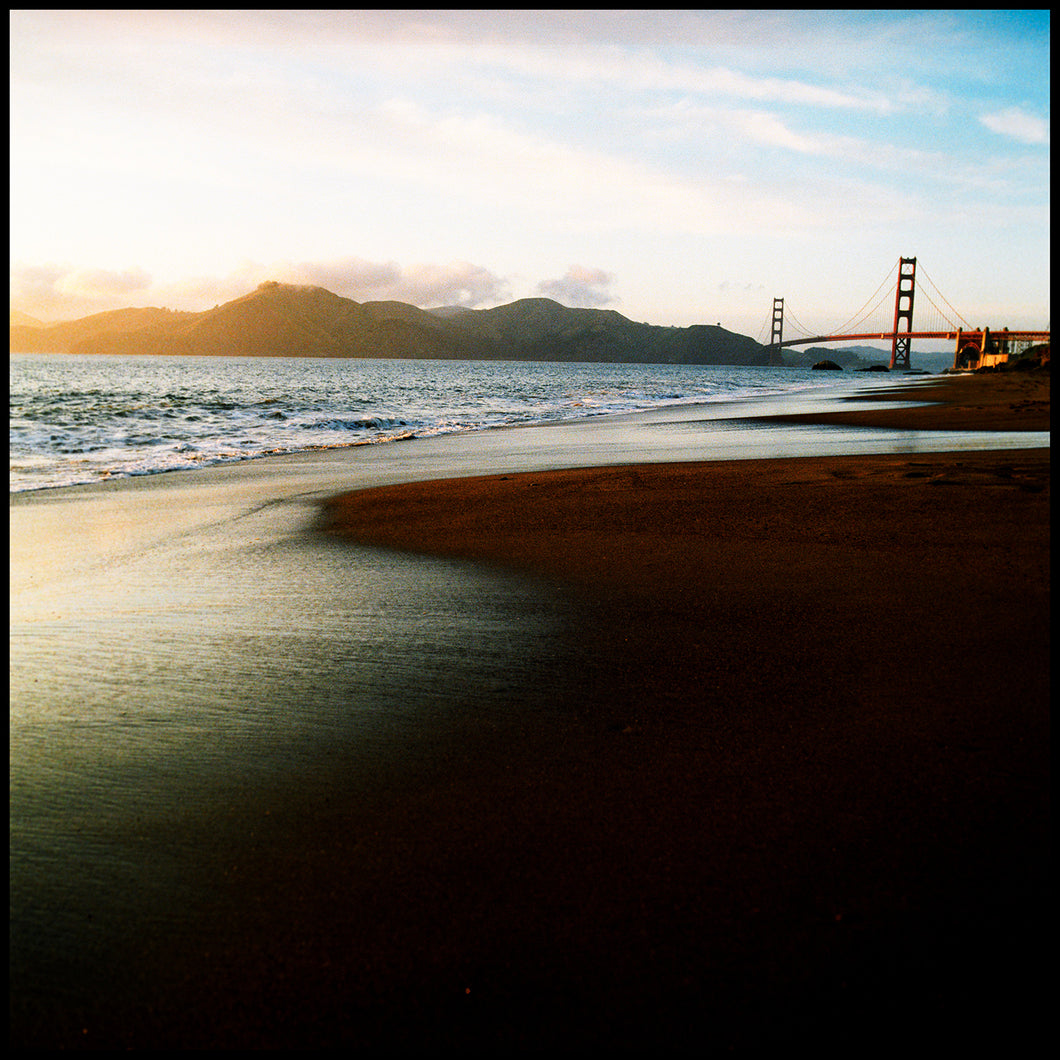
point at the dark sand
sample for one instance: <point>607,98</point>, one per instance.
<point>988,401</point>
<point>808,798</point>
<point>799,793</point>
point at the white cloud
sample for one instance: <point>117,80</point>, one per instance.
<point>581,287</point>
<point>34,289</point>
<point>103,283</point>
<point>1018,125</point>
<point>63,292</point>
<point>456,283</point>
<point>570,188</point>
<point>629,69</point>
<point>732,128</point>
<point>425,284</point>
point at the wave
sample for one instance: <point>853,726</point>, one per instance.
<point>373,423</point>
<point>76,419</point>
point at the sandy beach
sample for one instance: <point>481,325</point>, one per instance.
<point>789,784</point>
<point>809,795</point>
<point>988,401</point>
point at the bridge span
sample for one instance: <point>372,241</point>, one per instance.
<point>974,347</point>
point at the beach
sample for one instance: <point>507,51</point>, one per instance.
<point>785,780</point>
<point>816,760</point>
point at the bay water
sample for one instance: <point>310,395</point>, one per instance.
<point>82,419</point>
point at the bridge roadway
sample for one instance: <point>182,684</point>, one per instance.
<point>888,336</point>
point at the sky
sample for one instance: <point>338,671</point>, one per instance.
<point>678,166</point>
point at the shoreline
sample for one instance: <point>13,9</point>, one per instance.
<point>996,401</point>
<point>482,521</point>
<point>631,429</point>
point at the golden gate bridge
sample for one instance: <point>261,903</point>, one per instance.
<point>974,347</point>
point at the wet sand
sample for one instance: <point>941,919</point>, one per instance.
<point>793,789</point>
<point>808,797</point>
<point>988,401</point>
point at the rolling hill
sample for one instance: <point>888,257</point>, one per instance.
<point>286,320</point>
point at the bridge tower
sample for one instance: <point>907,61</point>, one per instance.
<point>777,336</point>
<point>903,312</point>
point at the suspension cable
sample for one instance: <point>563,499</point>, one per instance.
<point>854,325</point>
<point>949,323</point>
<point>789,315</point>
<point>859,315</point>
<point>943,297</point>
<point>762,330</point>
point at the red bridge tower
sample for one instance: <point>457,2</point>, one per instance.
<point>903,311</point>
<point>777,336</point>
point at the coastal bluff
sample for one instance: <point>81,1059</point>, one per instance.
<point>287,320</point>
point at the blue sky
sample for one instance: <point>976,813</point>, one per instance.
<point>677,166</point>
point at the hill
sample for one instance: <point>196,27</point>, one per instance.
<point>862,357</point>
<point>25,320</point>
<point>68,335</point>
<point>301,321</point>
<point>846,357</point>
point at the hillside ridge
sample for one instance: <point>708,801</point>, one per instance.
<point>291,320</point>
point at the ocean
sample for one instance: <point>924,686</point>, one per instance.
<point>83,419</point>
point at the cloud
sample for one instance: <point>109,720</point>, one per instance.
<point>63,292</point>
<point>684,120</point>
<point>1017,124</point>
<point>425,284</point>
<point>459,283</point>
<point>103,283</point>
<point>36,286</point>
<point>601,47</point>
<point>581,287</point>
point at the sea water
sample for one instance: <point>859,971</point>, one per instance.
<point>82,419</point>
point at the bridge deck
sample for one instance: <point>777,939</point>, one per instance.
<point>888,336</point>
